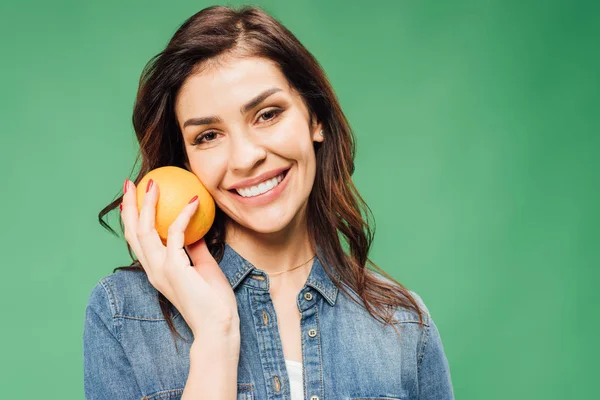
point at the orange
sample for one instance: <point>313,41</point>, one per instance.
<point>176,187</point>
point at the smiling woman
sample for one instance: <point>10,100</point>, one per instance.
<point>239,151</point>
<point>280,299</point>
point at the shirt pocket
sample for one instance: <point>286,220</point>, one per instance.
<point>165,394</point>
<point>244,392</point>
<point>375,398</point>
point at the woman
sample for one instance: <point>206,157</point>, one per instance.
<point>276,301</point>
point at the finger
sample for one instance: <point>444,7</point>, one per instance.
<point>146,230</point>
<point>199,253</point>
<point>208,268</point>
<point>129,215</point>
<point>176,234</point>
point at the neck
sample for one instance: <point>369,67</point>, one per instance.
<point>274,252</point>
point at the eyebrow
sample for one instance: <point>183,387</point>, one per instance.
<point>245,108</point>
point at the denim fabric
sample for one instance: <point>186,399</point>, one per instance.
<point>129,352</point>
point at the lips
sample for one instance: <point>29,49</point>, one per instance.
<point>260,179</point>
<point>266,197</point>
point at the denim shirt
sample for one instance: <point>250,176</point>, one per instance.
<point>129,352</point>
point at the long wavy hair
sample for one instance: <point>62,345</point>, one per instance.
<point>339,220</point>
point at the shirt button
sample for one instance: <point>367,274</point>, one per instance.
<point>308,296</point>
<point>276,383</point>
<point>312,332</point>
<point>314,397</point>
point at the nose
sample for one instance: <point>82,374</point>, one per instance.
<point>246,152</point>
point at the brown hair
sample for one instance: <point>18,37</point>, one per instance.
<point>335,208</point>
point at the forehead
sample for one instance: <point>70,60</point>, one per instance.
<point>228,82</point>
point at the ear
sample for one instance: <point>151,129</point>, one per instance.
<point>316,136</point>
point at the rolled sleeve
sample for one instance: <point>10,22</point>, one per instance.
<point>107,371</point>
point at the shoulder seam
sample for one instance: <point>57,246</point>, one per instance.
<point>111,286</point>
<point>112,299</point>
<point>425,340</point>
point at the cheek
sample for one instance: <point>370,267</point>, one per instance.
<point>209,168</point>
<point>292,140</point>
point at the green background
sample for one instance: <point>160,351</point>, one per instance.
<point>478,148</point>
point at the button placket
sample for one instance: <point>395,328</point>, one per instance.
<point>311,350</point>
<point>269,344</point>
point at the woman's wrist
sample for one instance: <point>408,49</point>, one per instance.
<point>224,347</point>
<point>213,369</point>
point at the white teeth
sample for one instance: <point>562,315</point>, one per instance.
<point>261,188</point>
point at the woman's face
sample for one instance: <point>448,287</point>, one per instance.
<point>247,137</point>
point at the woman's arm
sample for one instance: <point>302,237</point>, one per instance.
<point>109,375</point>
<point>432,367</point>
<point>213,369</point>
<point>107,371</point>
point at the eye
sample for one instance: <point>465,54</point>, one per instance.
<point>205,137</point>
<point>270,115</point>
<point>209,136</point>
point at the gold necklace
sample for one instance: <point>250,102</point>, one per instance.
<point>291,269</point>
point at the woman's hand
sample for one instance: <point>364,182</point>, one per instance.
<point>201,293</point>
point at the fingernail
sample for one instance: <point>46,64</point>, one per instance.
<point>121,207</point>
<point>193,199</point>
<point>125,186</point>
<point>149,185</point>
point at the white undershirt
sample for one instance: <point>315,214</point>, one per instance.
<point>294,369</point>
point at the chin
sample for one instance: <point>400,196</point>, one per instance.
<point>267,223</point>
<point>267,220</point>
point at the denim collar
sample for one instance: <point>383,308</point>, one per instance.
<point>236,269</point>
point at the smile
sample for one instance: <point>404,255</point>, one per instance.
<point>262,187</point>
<point>263,193</point>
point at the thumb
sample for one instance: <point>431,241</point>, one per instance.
<point>205,264</point>
<point>199,254</point>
